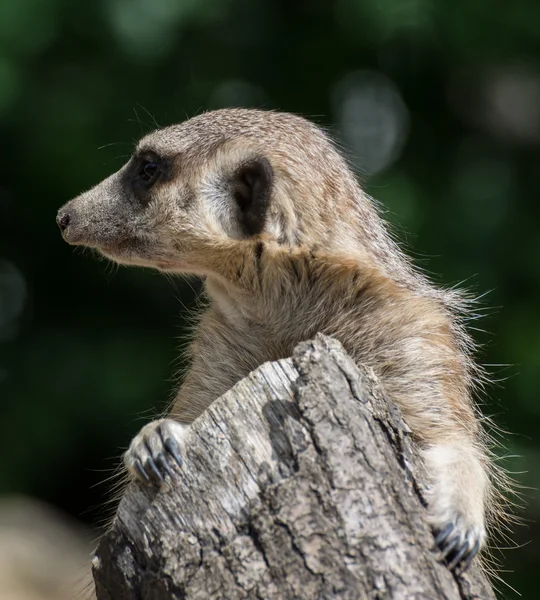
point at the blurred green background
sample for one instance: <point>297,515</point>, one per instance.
<point>437,104</point>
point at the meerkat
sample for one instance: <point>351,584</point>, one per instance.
<point>264,207</point>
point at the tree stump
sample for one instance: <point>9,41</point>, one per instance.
<point>302,482</point>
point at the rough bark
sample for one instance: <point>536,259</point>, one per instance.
<point>300,482</point>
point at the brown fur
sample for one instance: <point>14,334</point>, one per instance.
<point>324,262</point>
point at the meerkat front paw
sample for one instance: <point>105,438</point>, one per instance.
<point>459,543</point>
<point>457,503</point>
<point>153,451</point>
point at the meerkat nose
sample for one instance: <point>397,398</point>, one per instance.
<point>63,218</point>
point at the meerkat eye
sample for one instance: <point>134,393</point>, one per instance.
<point>147,168</point>
<point>149,171</point>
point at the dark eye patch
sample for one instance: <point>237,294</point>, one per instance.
<point>148,169</point>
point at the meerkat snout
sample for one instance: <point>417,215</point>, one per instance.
<point>62,220</point>
<point>68,222</point>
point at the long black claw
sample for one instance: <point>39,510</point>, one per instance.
<point>164,464</point>
<point>448,550</point>
<point>173,449</point>
<point>153,467</point>
<point>472,553</point>
<point>141,471</point>
<point>456,559</point>
<point>443,535</point>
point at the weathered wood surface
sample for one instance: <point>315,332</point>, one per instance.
<point>301,482</point>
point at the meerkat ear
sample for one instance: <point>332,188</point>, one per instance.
<point>252,186</point>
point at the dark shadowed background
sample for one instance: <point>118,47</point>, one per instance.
<point>438,106</point>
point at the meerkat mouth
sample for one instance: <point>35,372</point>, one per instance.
<point>167,266</point>
<point>133,254</point>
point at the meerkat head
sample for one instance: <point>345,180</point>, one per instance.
<point>233,174</point>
